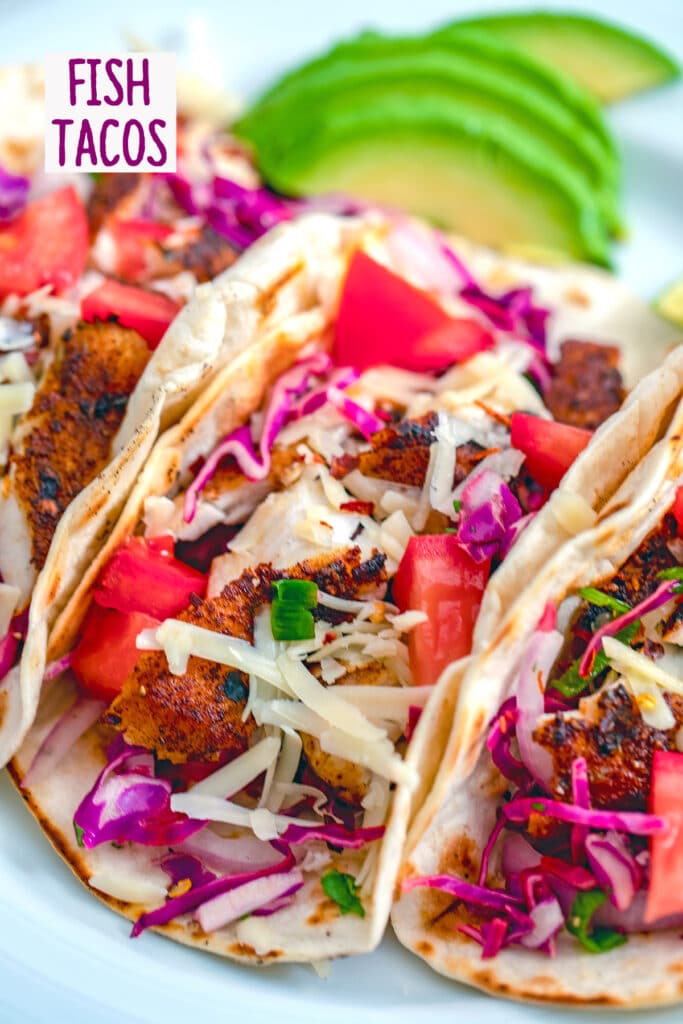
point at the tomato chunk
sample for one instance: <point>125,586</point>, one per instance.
<point>147,312</point>
<point>665,893</point>
<point>384,319</point>
<point>46,244</point>
<point>144,576</point>
<point>106,653</point>
<point>677,510</point>
<point>133,240</point>
<point>455,342</point>
<point>438,577</point>
<point>550,447</point>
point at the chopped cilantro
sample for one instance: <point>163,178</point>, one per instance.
<point>79,835</point>
<point>344,891</point>
<point>597,939</point>
<point>538,807</point>
<point>601,600</point>
<point>571,683</point>
<point>457,505</point>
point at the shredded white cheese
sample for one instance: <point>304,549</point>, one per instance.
<point>324,702</point>
<point>233,777</point>
<point>632,663</point>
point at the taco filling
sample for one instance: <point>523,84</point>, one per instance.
<point>259,651</point>
<point>586,756</point>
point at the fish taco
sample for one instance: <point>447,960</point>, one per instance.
<point>220,752</point>
<point>552,833</point>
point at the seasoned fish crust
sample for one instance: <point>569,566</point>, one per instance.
<point>199,248</point>
<point>587,386</point>
<point>400,454</point>
<point>66,436</point>
<point>196,716</point>
<point>115,195</point>
<point>203,252</point>
<point>635,580</point>
<point>618,747</point>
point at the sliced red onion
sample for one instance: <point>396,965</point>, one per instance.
<point>202,893</point>
<point>614,867</point>
<point>14,191</point>
<point>230,856</point>
<point>548,919</point>
<point>635,823</point>
<point>236,903</point>
<point>365,422</point>
<point>518,856</point>
<point>538,659</point>
<point>68,728</point>
<point>664,592</point>
<point>474,895</point>
<point>129,804</point>
<point>336,835</point>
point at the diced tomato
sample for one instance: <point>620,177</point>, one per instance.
<point>46,244</point>
<point>677,510</point>
<point>147,312</point>
<point>665,893</point>
<point>438,577</point>
<point>132,240</point>
<point>106,653</point>
<point>384,319</point>
<point>550,447</point>
<point>144,576</point>
<point>455,342</point>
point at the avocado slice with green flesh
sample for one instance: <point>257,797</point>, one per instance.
<point>472,175</point>
<point>489,53</point>
<point>606,59</point>
<point>293,120</point>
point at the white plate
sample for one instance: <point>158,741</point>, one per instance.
<point>63,956</point>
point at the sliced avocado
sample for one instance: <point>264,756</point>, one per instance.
<point>294,118</point>
<point>606,59</point>
<point>474,175</point>
<point>580,111</point>
<point>670,303</point>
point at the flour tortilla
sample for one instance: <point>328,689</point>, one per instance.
<point>293,271</point>
<point>454,823</point>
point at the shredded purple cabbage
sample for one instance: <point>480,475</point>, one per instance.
<point>513,312</point>
<point>336,835</point>
<point>664,592</point>
<point>205,891</point>
<point>129,804</point>
<point>14,191</point>
<point>488,515</point>
<point>635,823</point>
